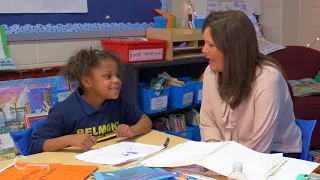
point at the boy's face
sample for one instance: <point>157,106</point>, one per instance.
<point>105,80</point>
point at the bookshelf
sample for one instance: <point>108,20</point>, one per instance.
<point>142,72</point>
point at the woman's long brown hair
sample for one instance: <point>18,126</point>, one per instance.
<point>234,35</point>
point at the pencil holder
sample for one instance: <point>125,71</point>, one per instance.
<point>153,101</point>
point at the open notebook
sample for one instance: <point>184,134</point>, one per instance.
<point>218,157</point>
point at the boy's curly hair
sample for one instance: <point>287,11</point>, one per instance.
<point>82,62</point>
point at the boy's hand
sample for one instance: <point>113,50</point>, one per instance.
<point>83,141</point>
<point>124,130</point>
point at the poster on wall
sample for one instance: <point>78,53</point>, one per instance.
<point>225,5</point>
<point>6,62</point>
<point>245,6</point>
<point>43,6</point>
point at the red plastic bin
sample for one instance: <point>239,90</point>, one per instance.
<point>135,50</point>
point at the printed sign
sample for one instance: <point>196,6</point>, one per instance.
<point>265,47</point>
<point>6,62</point>
<point>145,54</point>
<point>200,95</point>
<point>159,103</point>
<point>225,5</point>
<point>187,98</point>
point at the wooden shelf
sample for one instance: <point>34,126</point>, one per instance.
<point>190,40</point>
<point>168,63</point>
<point>186,48</point>
<point>184,56</point>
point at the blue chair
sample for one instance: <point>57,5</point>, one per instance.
<point>22,139</point>
<point>306,127</point>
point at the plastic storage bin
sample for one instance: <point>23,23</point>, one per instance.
<point>134,50</point>
<point>196,133</point>
<point>198,92</point>
<point>153,101</point>
<point>160,22</point>
<point>181,96</point>
<point>187,134</point>
<point>198,23</point>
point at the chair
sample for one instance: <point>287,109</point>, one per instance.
<point>306,127</point>
<point>309,66</point>
<point>22,139</point>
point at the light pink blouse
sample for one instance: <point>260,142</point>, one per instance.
<point>265,122</point>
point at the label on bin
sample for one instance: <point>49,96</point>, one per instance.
<point>200,95</point>
<point>159,103</point>
<point>145,54</point>
<point>187,98</point>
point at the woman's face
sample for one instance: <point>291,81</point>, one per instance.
<point>215,56</point>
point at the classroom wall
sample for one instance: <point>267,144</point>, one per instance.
<point>309,23</point>
<point>291,22</point>
<point>27,55</point>
<point>286,22</point>
<point>280,21</point>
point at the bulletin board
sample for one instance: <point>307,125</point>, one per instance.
<point>103,15</point>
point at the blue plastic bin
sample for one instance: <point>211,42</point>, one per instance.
<point>187,134</point>
<point>184,79</point>
<point>196,133</point>
<point>160,22</point>
<point>181,96</point>
<point>198,92</point>
<point>198,23</point>
<point>153,101</point>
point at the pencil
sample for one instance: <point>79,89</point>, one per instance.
<point>106,137</point>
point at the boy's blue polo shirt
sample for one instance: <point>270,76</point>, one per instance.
<point>75,116</point>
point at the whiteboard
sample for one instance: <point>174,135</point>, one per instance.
<point>43,6</point>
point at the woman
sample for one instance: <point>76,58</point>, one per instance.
<point>245,96</point>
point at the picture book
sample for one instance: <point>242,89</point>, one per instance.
<point>14,94</point>
<point>30,118</point>
<point>6,143</point>
<point>36,99</point>
<point>50,97</point>
<point>42,99</point>
<point>73,86</point>
<point>256,165</point>
<point>133,173</point>
<point>174,123</point>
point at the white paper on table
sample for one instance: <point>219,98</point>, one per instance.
<point>255,165</point>
<point>119,153</point>
<point>185,154</point>
<point>43,6</point>
<point>292,168</point>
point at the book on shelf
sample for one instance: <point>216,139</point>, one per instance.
<point>30,118</point>
<point>42,99</point>
<point>219,157</point>
<point>7,147</point>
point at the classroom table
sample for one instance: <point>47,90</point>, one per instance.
<point>66,156</point>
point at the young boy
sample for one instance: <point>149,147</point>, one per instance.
<point>94,110</point>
